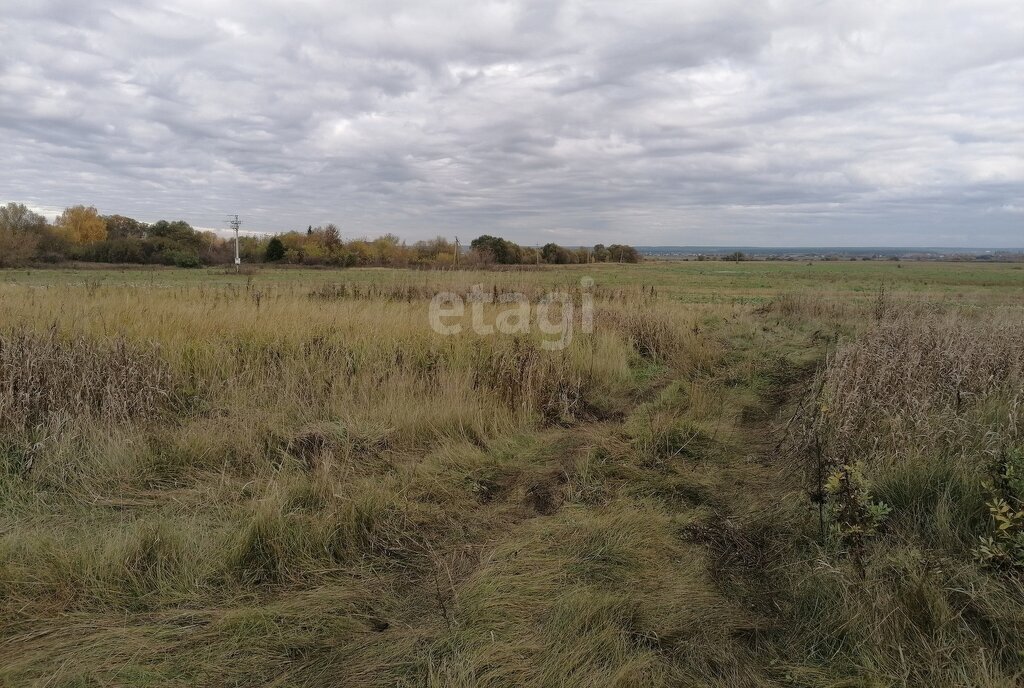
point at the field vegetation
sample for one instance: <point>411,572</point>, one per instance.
<point>747,475</point>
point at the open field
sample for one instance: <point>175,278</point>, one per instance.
<point>684,281</point>
<point>748,474</point>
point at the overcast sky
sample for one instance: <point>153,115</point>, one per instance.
<point>686,122</point>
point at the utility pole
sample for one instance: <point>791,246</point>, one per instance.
<point>235,223</point>
<point>458,250</point>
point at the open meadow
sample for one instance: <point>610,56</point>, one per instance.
<point>743,474</point>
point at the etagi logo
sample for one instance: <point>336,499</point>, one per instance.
<point>553,315</point>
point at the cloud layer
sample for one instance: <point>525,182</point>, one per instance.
<point>695,122</point>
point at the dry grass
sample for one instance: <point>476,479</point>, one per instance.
<point>918,383</point>
<point>49,378</point>
<point>291,483</point>
<point>924,403</point>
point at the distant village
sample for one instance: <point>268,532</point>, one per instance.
<point>830,254</point>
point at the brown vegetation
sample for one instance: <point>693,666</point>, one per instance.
<point>297,482</point>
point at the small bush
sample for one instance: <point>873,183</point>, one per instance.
<point>186,260</point>
<point>855,515</point>
<point>1004,546</point>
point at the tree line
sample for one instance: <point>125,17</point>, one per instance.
<point>81,233</point>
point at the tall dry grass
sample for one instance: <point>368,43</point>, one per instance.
<point>913,384</point>
<point>242,455</point>
<point>49,378</point>
<point>136,387</point>
<point>924,404</point>
<point>305,485</point>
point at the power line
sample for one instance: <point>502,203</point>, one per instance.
<point>235,223</point>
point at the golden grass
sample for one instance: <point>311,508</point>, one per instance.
<point>288,482</point>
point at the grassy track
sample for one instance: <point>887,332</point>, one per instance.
<point>286,478</point>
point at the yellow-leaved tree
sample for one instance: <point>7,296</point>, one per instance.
<point>82,225</point>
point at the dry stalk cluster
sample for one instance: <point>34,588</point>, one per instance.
<point>918,383</point>
<point>526,377</point>
<point>651,334</point>
<point>48,378</point>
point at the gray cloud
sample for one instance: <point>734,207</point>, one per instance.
<point>698,122</point>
